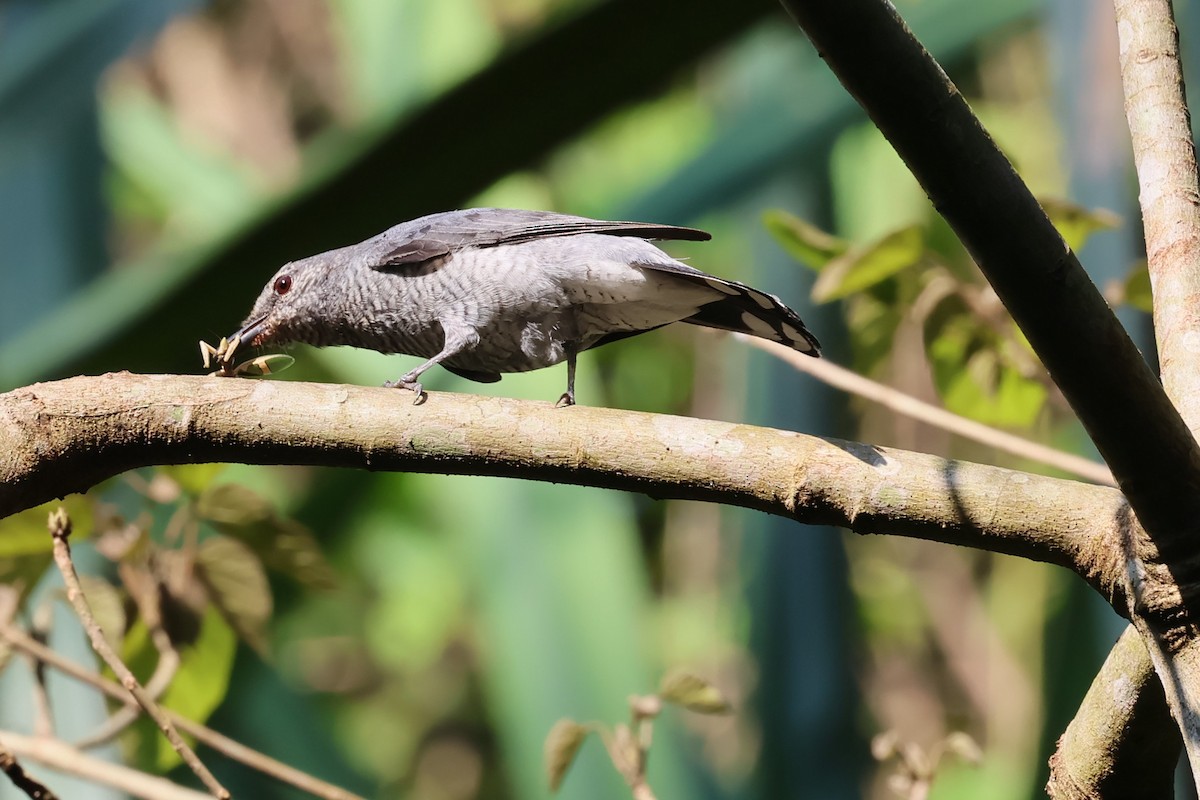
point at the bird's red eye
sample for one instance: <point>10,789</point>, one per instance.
<point>283,284</point>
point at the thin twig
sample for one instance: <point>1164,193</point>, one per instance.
<point>143,588</point>
<point>43,716</point>
<point>60,530</point>
<point>203,734</point>
<point>20,779</point>
<point>61,757</point>
<point>841,378</point>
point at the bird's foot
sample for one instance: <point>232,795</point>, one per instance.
<point>412,384</point>
<point>567,399</point>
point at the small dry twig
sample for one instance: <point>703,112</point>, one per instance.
<point>852,383</point>
<point>60,531</point>
<point>144,591</point>
<point>21,779</point>
<point>203,734</point>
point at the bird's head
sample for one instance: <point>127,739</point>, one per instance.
<point>291,305</point>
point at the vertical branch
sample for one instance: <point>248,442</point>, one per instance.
<point>1169,191</point>
<point>1169,195</point>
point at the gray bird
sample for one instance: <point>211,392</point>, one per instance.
<point>491,290</point>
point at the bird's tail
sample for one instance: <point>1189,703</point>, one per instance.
<point>747,310</point>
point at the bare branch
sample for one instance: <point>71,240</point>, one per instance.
<point>850,382</point>
<point>60,530</point>
<point>70,434</point>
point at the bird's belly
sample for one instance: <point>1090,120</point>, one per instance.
<point>511,344</point>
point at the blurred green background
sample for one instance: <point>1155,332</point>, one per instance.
<point>159,159</point>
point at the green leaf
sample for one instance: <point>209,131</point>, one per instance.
<point>693,693</point>
<point>199,686</point>
<point>284,545</point>
<point>25,543</point>
<point>26,532</point>
<point>562,745</point>
<point>974,381</point>
<point>194,479</point>
<point>1137,288</point>
<point>1075,223</point>
<point>806,243</point>
<point>862,268</point>
<point>238,586</point>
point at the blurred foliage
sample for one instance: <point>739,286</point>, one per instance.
<point>441,625</point>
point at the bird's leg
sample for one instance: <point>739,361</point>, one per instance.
<point>568,397</point>
<point>452,346</point>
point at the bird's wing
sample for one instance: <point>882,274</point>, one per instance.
<point>439,235</point>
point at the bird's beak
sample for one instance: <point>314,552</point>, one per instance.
<point>247,334</point>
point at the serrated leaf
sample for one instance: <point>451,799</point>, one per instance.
<point>861,268</point>
<point>108,608</point>
<point>230,504</point>
<point>199,685</point>
<point>805,242</point>
<point>238,586</point>
<point>693,693</point>
<point>284,545</point>
<point>561,747</point>
<point>1076,223</point>
<point>1137,288</point>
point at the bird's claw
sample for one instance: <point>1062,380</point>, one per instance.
<point>412,385</point>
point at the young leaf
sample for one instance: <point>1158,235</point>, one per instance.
<point>1075,223</point>
<point>693,693</point>
<point>193,478</point>
<point>1137,289</point>
<point>238,586</point>
<point>862,268</point>
<point>806,243</point>
<point>562,745</point>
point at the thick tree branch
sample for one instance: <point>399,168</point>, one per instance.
<point>1122,743</point>
<point>68,435</point>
